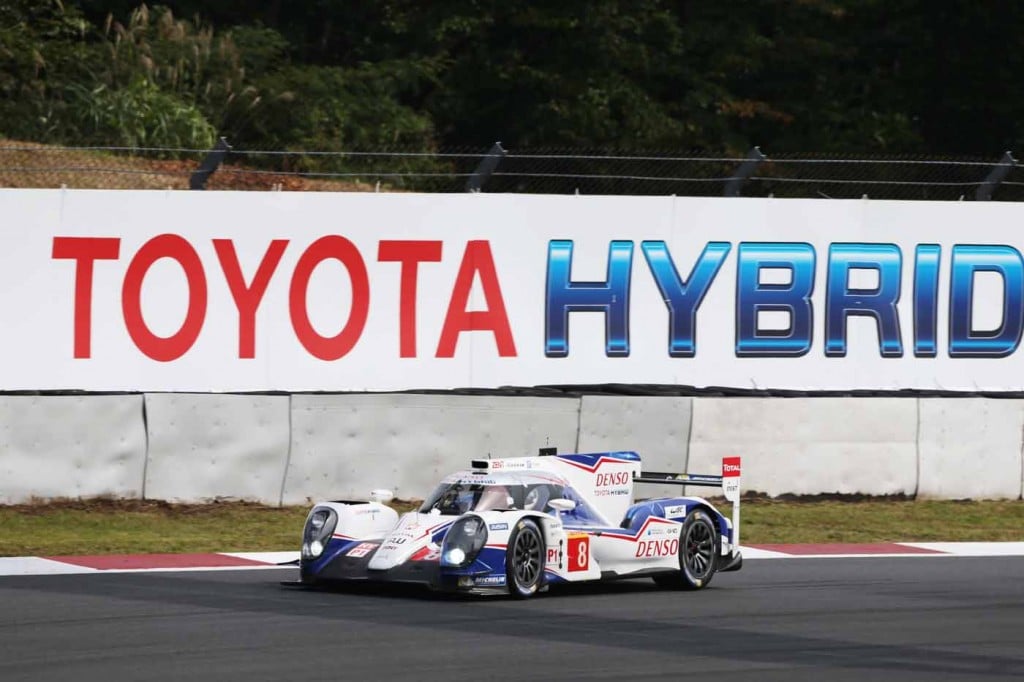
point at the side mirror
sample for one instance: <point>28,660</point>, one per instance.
<point>562,504</point>
<point>381,495</point>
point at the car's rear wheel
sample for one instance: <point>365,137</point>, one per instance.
<point>698,554</point>
<point>524,560</point>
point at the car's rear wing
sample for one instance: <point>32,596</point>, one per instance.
<point>729,482</point>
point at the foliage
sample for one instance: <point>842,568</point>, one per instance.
<point>138,114</point>
<point>841,76</point>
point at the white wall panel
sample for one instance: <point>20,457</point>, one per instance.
<point>71,446</point>
<point>206,446</point>
<point>343,446</point>
<point>971,448</point>
<point>658,428</point>
<point>806,446</point>
<point>203,447</point>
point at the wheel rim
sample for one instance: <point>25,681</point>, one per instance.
<point>700,545</point>
<point>526,558</point>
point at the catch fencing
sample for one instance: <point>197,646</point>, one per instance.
<point>494,169</point>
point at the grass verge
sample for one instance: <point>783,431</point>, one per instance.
<point>131,526</point>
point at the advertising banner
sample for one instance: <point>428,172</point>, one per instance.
<point>249,291</point>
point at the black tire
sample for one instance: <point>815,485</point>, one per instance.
<point>524,560</point>
<point>699,545</point>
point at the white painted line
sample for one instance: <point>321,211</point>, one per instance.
<point>902,555</point>
<point>193,569</point>
<point>755,553</point>
<point>972,548</point>
<point>265,557</point>
<point>10,566</point>
<point>31,565</point>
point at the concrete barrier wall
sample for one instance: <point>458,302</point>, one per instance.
<point>343,446</point>
<point>71,446</point>
<point>209,446</point>
<point>294,449</point>
<point>658,428</point>
<point>970,448</point>
<point>805,446</point>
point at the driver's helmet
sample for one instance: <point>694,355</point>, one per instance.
<point>456,500</point>
<point>493,497</point>
<point>537,498</point>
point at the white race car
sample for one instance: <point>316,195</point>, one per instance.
<point>518,525</point>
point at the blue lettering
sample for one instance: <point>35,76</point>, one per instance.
<point>610,297</point>
<point>793,298</point>
<point>964,342</point>
<point>683,298</point>
<point>926,299</point>
<point>879,303</point>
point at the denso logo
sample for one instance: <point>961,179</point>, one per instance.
<point>619,478</point>
<point>655,548</point>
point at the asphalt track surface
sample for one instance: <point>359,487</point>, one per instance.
<point>913,618</point>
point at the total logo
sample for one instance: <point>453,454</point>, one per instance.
<point>657,548</point>
<point>733,469</point>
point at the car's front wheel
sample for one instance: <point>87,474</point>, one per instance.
<point>698,554</point>
<point>524,560</point>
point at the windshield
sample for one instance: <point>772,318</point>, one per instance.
<point>453,499</point>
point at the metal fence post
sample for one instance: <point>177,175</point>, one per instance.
<point>743,173</point>
<point>214,158</point>
<point>485,168</point>
<point>995,176</point>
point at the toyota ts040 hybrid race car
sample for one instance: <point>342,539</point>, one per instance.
<point>518,525</point>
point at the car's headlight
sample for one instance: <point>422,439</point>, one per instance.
<point>319,527</point>
<point>464,540</point>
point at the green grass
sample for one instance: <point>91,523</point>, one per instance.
<point>111,527</point>
<point>770,521</point>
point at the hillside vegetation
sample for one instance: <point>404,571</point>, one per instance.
<point>832,76</point>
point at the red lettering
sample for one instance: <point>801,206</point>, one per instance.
<point>176,345</point>
<point>657,548</point>
<point>476,260</point>
<point>247,298</point>
<point>341,249</point>
<point>85,251</point>
<point>618,478</point>
<point>410,254</point>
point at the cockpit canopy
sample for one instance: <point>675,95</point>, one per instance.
<point>458,496</point>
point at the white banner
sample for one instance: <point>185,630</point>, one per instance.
<point>220,291</point>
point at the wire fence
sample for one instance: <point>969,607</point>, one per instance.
<point>495,170</point>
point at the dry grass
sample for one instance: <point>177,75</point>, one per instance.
<point>34,165</point>
<point>869,520</point>
<point>131,526</point>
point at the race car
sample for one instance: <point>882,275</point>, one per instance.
<point>520,525</point>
